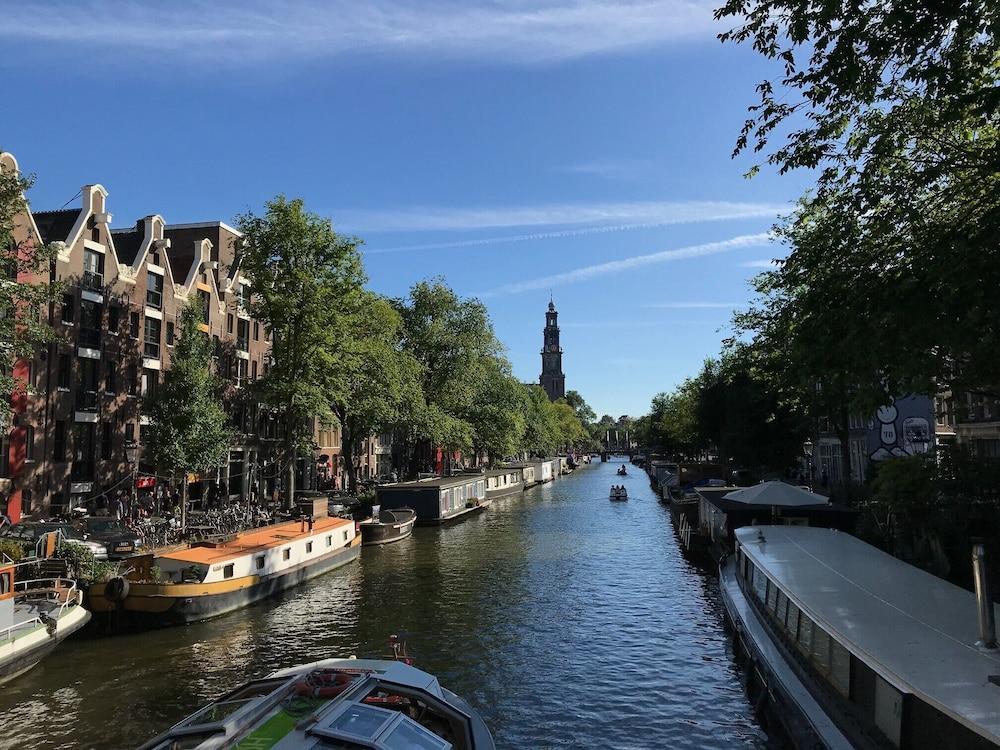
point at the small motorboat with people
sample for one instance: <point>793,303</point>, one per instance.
<point>387,526</point>
<point>36,615</point>
<point>618,492</point>
<point>622,471</point>
<point>335,703</point>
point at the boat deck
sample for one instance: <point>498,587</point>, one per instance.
<point>254,541</point>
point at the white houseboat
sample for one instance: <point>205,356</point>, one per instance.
<point>854,648</point>
<point>503,482</point>
<point>35,617</point>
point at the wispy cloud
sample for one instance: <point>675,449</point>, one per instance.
<point>638,261</point>
<point>607,216</point>
<point>509,31</point>
<point>631,324</point>
<point>760,263</point>
<point>693,305</point>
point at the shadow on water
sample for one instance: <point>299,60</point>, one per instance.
<point>568,620</point>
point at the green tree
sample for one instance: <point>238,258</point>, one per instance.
<point>189,430</point>
<point>454,344</point>
<point>381,381</point>
<point>305,278</point>
<point>581,407</point>
<point>497,415</point>
<point>22,327</point>
<point>541,435</point>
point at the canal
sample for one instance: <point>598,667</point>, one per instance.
<point>569,621</point>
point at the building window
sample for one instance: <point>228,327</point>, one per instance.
<point>111,378</point>
<point>106,441</point>
<point>241,371</point>
<point>170,333</point>
<point>256,331</point>
<point>90,324</point>
<point>253,370</point>
<point>88,385</point>
<point>260,562</point>
<point>63,371</point>
<point>229,323</point>
<point>59,442</point>
<point>206,307</point>
<point>151,345</point>
<point>243,335</point>
<point>154,290</point>
<point>68,305</point>
<point>286,553</point>
<point>113,312</point>
<point>93,270</point>
<point>133,380</point>
<point>150,383</point>
<point>29,443</point>
<point>227,572</point>
<point>133,324</point>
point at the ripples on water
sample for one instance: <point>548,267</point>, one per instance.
<point>569,621</point>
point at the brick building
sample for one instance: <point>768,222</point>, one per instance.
<point>115,324</point>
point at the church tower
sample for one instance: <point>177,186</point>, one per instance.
<point>552,378</point>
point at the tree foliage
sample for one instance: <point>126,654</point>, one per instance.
<point>22,326</point>
<point>189,429</point>
<point>304,278</point>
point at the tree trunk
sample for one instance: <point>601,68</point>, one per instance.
<point>347,450</point>
<point>184,500</point>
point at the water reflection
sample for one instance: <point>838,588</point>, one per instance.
<point>568,620</point>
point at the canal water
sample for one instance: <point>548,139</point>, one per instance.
<point>568,620</point>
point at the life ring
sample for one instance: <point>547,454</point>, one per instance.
<point>324,683</point>
<point>116,589</point>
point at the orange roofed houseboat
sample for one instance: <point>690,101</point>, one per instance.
<point>210,578</point>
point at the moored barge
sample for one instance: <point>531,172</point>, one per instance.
<point>853,648</point>
<point>437,500</point>
<point>504,482</point>
<point>211,578</point>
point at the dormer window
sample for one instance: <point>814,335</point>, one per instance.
<point>154,258</point>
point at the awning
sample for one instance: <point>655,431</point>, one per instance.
<point>776,493</point>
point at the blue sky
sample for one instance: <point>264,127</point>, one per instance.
<point>512,147</point>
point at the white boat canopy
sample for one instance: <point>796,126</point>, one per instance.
<point>776,493</point>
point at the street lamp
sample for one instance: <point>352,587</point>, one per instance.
<point>807,451</point>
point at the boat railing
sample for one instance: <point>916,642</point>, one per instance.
<point>53,590</point>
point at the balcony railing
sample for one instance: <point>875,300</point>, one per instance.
<point>86,400</point>
<point>89,337</point>
<point>151,349</point>
<point>93,280</point>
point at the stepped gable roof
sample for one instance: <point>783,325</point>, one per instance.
<point>55,225</point>
<point>127,242</point>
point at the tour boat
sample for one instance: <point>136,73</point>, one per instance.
<point>335,703</point>
<point>35,617</point>
<point>853,648</point>
<point>618,493</point>
<point>209,578</point>
<point>390,526</point>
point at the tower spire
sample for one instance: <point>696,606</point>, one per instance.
<point>552,378</point>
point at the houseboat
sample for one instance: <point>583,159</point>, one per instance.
<point>210,578</point>
<point>853,648</point>
<point>503,482</point>
<point>722,510</point>
<point>390,526</point>
<point>543,470</point>
<point>36,615</point>
<point>437,500</point>
<point>527,474</point>
<point>336,703</point>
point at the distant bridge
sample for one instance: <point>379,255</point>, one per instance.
<point>616,442</point>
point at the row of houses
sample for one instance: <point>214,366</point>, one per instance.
<point>78,430</point>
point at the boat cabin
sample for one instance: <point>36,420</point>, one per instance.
<point>543,470</point>
<point>527,474</point>
<point>888,650</point>
<point>437,499</point>
<point>500,482</point>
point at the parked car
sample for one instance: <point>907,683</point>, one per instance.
<point>28,534</point>
<point>120,541</point>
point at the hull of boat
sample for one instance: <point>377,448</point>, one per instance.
<point>456,516</point>
<point>28,649</point>
<point>162,605</point>
<point>386,533</point>
<point>499,492</point>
